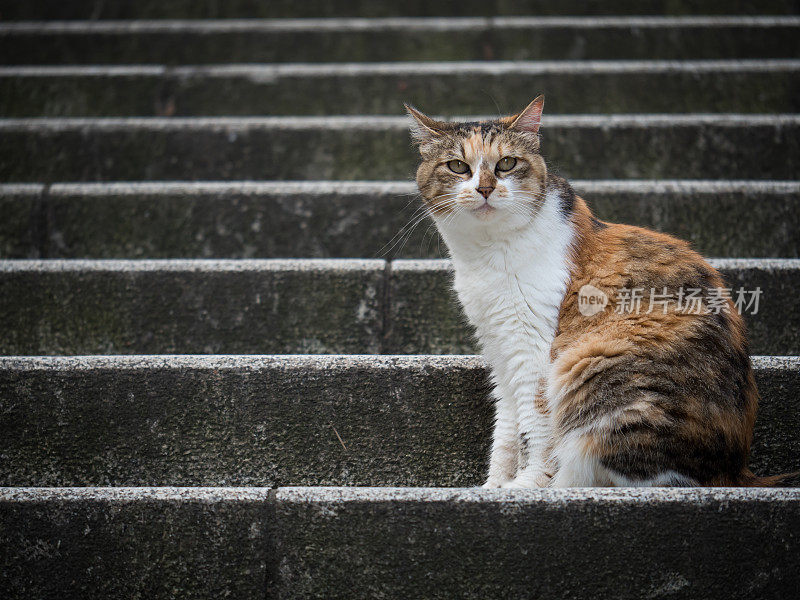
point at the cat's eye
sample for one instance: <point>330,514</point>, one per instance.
<point>506,163</point>
<point>458,166</point>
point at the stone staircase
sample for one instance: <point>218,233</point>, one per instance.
<point>207,294</point>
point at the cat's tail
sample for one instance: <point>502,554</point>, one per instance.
<point>748,479</point>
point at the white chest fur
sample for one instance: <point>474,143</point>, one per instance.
<point>511,284</point>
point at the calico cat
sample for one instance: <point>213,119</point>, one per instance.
<point>591,388</point>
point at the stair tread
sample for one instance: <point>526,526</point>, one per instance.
<point>284,420</point>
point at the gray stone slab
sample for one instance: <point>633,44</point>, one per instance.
<point>212,9</point>
<point>284,420</point>
<point>280,420</point>
<point>211,220</point>
<point>775,329</point>
<point>134,543</point>
<point>174,306</point>
<point>741,86</point>
<point>378,148</point>
<point>329,219</point>
<point>425,316</point>
<point>393,39</point>
<point>397,542</point>
<point>582,543</point>
<point>22,229</point>
<point>735,219</point>
<point>276,306</point>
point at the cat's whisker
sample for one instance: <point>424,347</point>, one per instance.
<point>428,236</point>
<point>399,246</point>
<point>405,232</point>
<point>446,201</point>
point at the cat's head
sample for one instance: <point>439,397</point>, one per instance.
<point>487,173</point>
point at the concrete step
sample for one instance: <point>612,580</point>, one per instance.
<point>284,420</point>
<point>581,543</point>
<point>62,307</point>
<point>367,40</point>
<point>326,219</point>
<point>399,543</point>
<point>746,86</point>
<point>185,306</point>
<point>135,542</point>
<point>375,147</point>
<point>214,9</point>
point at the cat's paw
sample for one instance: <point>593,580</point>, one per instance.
<point>543,479</point>
<point>528,481</point>
<point>492,484</point>
<point>514,484</point>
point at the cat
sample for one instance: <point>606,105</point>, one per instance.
<point>588,391</point>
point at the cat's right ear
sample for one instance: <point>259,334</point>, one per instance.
<point>423,128</point>
<point>529,119</point>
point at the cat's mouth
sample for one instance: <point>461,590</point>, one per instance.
<point>484,209</point>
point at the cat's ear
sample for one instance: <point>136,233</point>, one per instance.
<point>530,118</point>
<point>423,128</point>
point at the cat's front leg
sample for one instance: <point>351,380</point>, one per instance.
<point>505,442</point>
<point>534,425</point>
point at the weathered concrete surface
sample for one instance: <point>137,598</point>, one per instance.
<point>425,316</point>
<point>719,218</point>
<point>776,377</point>
<point>776,327</point>
<point>275,306</point>
<point>214,9</point>
<point>212,220</point>
<point>378,148</point>
<point>743,86</point>
<point>174,306</point>
<point>327,219</point>
<point>22,228</point>
<point>393,39</point>
<point>296,420</point>
<point>300,420</point>
<point>621,544</point>
<point>134,543</point>
<point>398,543</point>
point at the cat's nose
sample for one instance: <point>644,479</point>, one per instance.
<point>485,191</point>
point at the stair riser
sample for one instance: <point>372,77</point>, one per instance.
<point>256,90</point>
<point>134,543</point>
<point>332,542</point>
<point>264,307</point>
<point>236,308</point>
<point>187,42</point>
<point>214,9</point>
<point>535,548</point>
<point>276,220</point>
<point>379,148</point>
<point>405,421</point>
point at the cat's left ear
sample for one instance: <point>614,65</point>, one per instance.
<point>423,129</point>
<point>530,118</point>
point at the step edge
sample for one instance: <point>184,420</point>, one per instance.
<point>317,362</point>
<point>358,24</point>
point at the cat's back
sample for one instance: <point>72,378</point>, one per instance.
<point>649,337</point>
<point>630,256</point>
<point>649,279</point>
